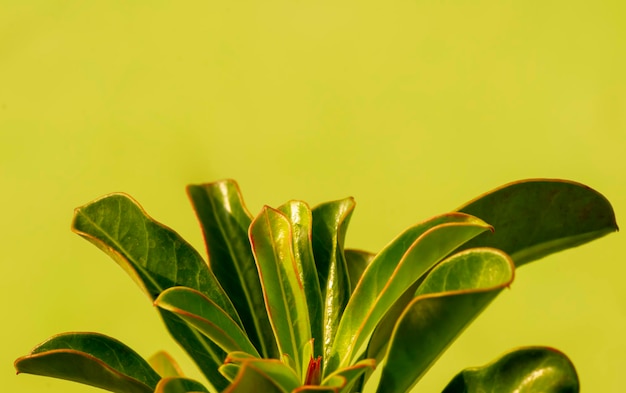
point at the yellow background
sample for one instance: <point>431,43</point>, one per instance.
<point>412,107</point>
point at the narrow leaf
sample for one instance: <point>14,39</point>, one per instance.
<point>330,222</point>
<point>91,359</point>
<point>536,217</point>
<point>156,258</point>
<point>180,385</point>
<point>356,262</point>
<point>271,238</point>
<point>206,316</point>
<point>450,297</point>
<point>526,370</point>
<point>391,273</point>
<point>165,365</point>
<point>300,217</point>
<point>225,221</point>
<point>349,375</point>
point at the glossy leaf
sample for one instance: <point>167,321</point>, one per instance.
<point>391,273</point>
<point>272,244</point>
<point>180,385</point>
<point>165,365</point>
<point>450,297</point>
<point>264,375</point>
<point>300,218</point>
<point>348,376</point>
<point>225,221</point>
<point>536,217</point>
<point>92,359</point>
<point>207,317</point>
<point>156,258</point>
<point>526,370</point>
<point>330,222</point>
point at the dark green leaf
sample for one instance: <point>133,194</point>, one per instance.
<point>157,258</point>
<point>207,317</point>
<point>330,222</point>
<point>345,378</point>
<point>526,370</point>
<point>92,359</point>
<point>299,215</point>
<point>225,221</point>
<point>391,273</point>
<point>534,218</point>
<point>271,238</point>
<point>180,385</point>
<point>264,375</point>
<point>357,261</point>
<point>450,297</point>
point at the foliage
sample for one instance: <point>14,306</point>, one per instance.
<point>283,307</point>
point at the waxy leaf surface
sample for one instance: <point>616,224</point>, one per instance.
<point>92,359</point>
<point>272,244</point>
<point>300,218</point>
<point>225,221</point>
<point>534,218</point>
<point>207,317</point>
<point>450,297</point>
<point>526,370</point>
<point>156,258</point>
<point>330,222</point>
<point>391,273</point>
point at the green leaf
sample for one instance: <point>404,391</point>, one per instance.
<point>165,365</point>
<point>345,378</point>
<point>526,370</point>
<point>330,222</point>
<point>156,258</point>
<point>450,297</point>
<point>300,217</point>
<point>225,221</point>
<point>536,217</point>
<point>272,244</point>
<point>180,385</point>
<point>263,375</point>
<point>92,359</point>
<point>391,273</point>
<point>206,316</point>
<point>357,261</point>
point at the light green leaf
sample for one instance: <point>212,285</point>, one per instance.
<point>450,297</point>
<point>206,316</point>
<point>300,217</point>
<point>330,222</point>
<point>225,221</point>
<point>165,365</point>
<point>536,217</point>
<point>91,359</point>
<point>263,375</point>
<point>272,244</point>
<point>180,385</point>
<point>345,378</point>
<point>156,258</point>
<point>526,370</point>
<point>391,273</point>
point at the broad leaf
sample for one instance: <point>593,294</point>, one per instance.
<point>300,217</point>
<point>330,222</point>
<point>534,218</point>
<point>526,370</point>
<point>165,365</point>
<point>450,297</point>
<point>225,221</point>
<point>179,385</point>
<point>92,359</point>
<point>391,273</point>
<point>156,258</point>
<point>206,316</point>
<point>264,375</point>
<point>272,244</point>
